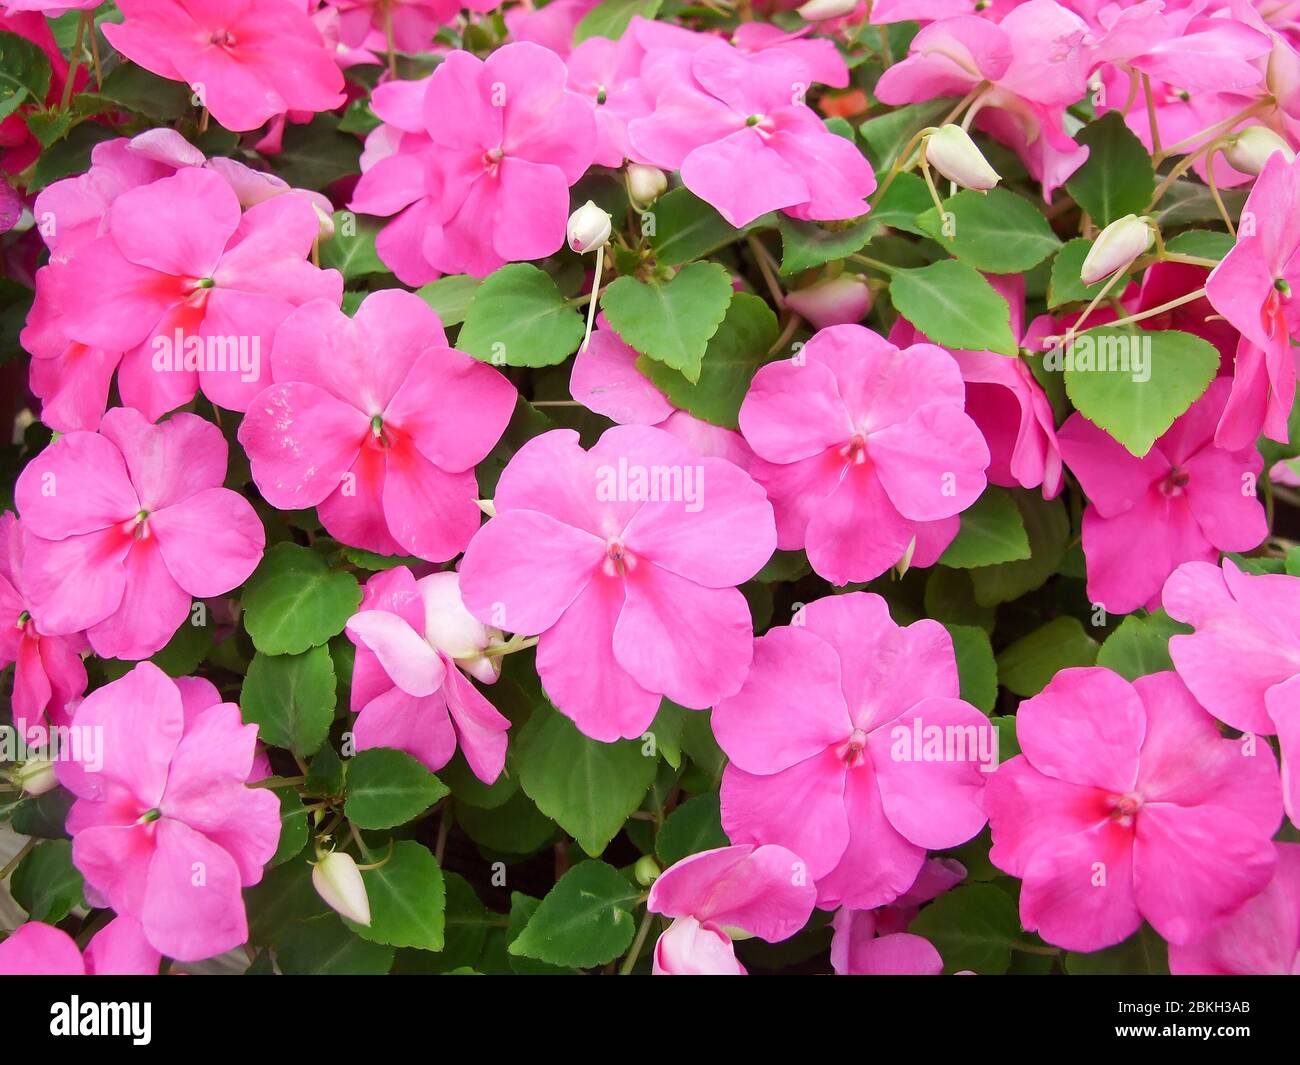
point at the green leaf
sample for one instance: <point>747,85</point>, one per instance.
<point>71,155</point>
<point>1143,953</point>
<point>294,601</point>
<point>325,774</point>
<point>887,134</point>
<point>995,231</point>
<point>315,155</point>
<point>1140,645</point>
<point>351,251</point>
<point>46,884</point>
<point>43,816</point>
<point>1066,284</point>
<point>388,787</point>
<point>976,667</point>
<point>132,88</point>
<point>522,908</point>
<point>992,531</point>
<point>973,928</point>
<point>952,304</point>
<point>1048,528</point>
<point>805,245</point>
<point>611,18</point>
<point>514,827</point>
<point>291,699</point>
<point>50,126</point>
<point>324,946</point>
<point>1135,384</point>
<point>687,228</point>
<point>734,354</point>
<point>284,895</point>
<point>1118,177</point>
<point>696,825</point>
<point>293,826</point>
<point>408,900</point>
<point>902,202</point>
<point>1207,243</point>
<point>588,787</point>
<point>584,920</point>
<point>519,318</point>
<point>24,73</point>
<point>1027,665</point>
<point>671,322</point>
<point>450,297</point>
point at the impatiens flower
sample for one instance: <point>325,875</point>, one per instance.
<point>849,745</point>
<point>863,445</point>
<point>117,949</point>
<point>1126,804</point>
<point>191,288</point>
<point>166,832</point>
<point>1261,939</point>
<point>1243,661</point>
<point>410,24</point>
<point>606,73</point>
<point>719,113</point>
<point>1253,286</point>
<point>625,560</point>
<point>1185,500</point>
<point>137,513</point>
<point>715,895</point>
<point>414,639</point>
<point>48,671</point>
<point>505,140</point>
<point>383,447</point>
<point>857,949</point>
<point>247,60</point>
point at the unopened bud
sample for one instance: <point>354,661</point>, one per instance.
<point>337,880</point>
<point>645,184</point>
<point>950,151</point>
<point>1250,149</point>
<point>1116,247</point>
<point>646,870</point>
<point>843,300</point>
<point>589,228</point>
<point>35,776</point>
<point>821,10</point>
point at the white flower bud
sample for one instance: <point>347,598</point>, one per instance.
<point>821,10</point>
<point>337,880</point>
<point>1250,149</point>
<point>950,151</point>
<point>589,228</point>
<point>1118,245</point>
<point>35,776</point>
<point>645,184</point>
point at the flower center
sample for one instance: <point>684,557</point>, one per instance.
<point>492,159</point>
<point>149,816</point>
<point>222,39</point>
<point>851,750</point>
<point>23,619</point>
<point>138,527</point>
<point>856,449</point>
<point>1175,482</point>
<point>600,94</point>
<point>1124,808</point>
<point>619,561</point>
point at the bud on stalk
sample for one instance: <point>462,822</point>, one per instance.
<point>589,228</point>
<point>821,10</point>
<point>35,776</point>
<point>645,184</point>
<point>338,882</point>
<point>950,151</point>
<point>841,301</point>
<point>1116,247</point>
<point>1250,149</point>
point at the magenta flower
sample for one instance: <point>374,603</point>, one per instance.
<point>384,448</point>
<point>713,895</point>
<point>605,72</point>
<point>719,113</point>
<point>1127,804</point>
<point>1262,938</point>
<point>117,949</point>
<point>864,446</point>
<point>165,831</point>
<point>48,672</point>
<point>412,23</point>
<point>1243,661</point>
<point>190,288</point>
<point>138,513</point>
<point>848,744</point>
<point>860,948</point>
<point>1185,500</point>
<point>414,639</point>
<point>508,140</point>
<point>247,60</point>
<point>624,560</point>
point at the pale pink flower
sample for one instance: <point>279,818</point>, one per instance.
<point>117,949</point>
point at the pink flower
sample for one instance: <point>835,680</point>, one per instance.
<point>551,26</point>
<point>165,831</point>
<point>1126,804</point>
<point>605,72</point>
<point>384,448</point>
<point>137,513</point>
<point>864,446</point>
<point>1243,661</point>
<point>625,560</point>
<point>249,60</point>
<point>1253,286</point>
<point>1185,500</point>
<point>117,949</point>
<point>832,748</point>
<point>763,891</point>
<point>413,640</point>
<point>49,674</point>
<point>505,140</point>
<point>719,113</point>
<point>412,23</point>
<point>190,288</point>
<point>1260,939</point>
<point>858,948</point>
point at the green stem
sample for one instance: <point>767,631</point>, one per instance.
<point>629,962</point>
